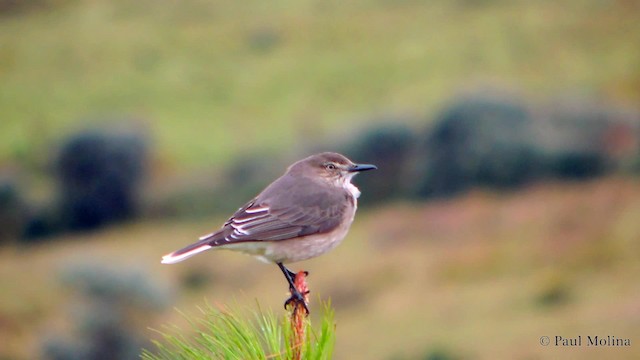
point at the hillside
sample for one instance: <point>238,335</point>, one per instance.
<point>484,275</point>
<point>211,80</point>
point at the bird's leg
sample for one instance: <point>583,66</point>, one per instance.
<point>290,275</point>
<point>296,296</point>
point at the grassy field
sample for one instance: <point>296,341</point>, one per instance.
<point>483,276</point>
<point>210,80</point>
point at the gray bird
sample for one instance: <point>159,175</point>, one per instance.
<point>302,214</point>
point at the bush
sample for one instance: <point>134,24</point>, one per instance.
<point>113,306</point>
<point>498,141</point>
<point>581,139</point>
<point>440,353</point>
<point>263,39</point>
<point>43,221</point>
<point>13,212</point>
<point>11,7</point>
<point>218,191</point>
<point>247,176</point>
<point>99,177</point>
<point>388,147</point>
<point>477,140</point>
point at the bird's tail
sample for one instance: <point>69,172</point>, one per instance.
<point>188,251</point>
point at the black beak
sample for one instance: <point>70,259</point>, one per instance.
<point>362,167</point>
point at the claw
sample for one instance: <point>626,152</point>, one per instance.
<point>296,299</point>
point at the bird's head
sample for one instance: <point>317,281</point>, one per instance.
<point>329,166</point>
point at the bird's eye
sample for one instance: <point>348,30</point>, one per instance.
<point>330,166</point>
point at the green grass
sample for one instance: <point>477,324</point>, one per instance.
<point>213,79</point>
<point>221,333</point>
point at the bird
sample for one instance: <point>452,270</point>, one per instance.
<point>302,214</point>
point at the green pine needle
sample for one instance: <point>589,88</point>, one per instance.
<point>219,333</point>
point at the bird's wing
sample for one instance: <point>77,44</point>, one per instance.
<point>302,210</point>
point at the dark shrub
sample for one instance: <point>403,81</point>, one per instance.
<point>13,212</point>
<point>578,165</point>
<point>112,309</point>
<point>582,139</point>
<point>43,221</point>
<point>99,175</point>
<point>247,176</point>
<point>440,353</point>
<point>264,39</point>
<point>218,191</point>
<point>477,140</point>
<point>12,7</point>
<point>387,146</point>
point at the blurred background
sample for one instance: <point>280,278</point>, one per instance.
<point>505,207</point>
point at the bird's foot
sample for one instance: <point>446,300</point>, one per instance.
<point>298,289</point>
<point>297,299</point>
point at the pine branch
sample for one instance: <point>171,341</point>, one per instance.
<point>220,332</point>
<point>299,315</point>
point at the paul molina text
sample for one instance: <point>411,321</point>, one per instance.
<point>592,340</point>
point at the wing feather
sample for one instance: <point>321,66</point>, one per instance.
<point>305,209</point>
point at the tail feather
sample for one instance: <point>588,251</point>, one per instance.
<point>188,251</point>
